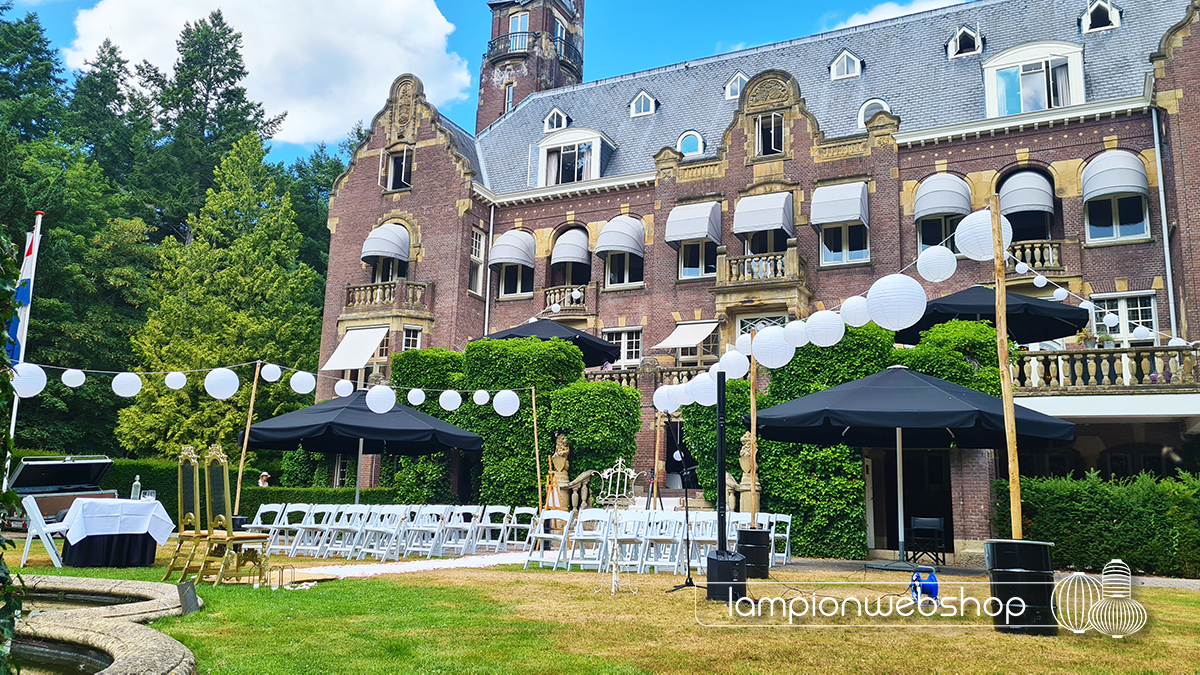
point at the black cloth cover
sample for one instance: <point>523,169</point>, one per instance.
<point>932,412</point>
<point>596,351</point>
<point>111,550</point>
<point>1029,319</point>
<point>337,425</point>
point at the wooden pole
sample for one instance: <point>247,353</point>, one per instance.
<point>537,454</point>
<point>237,502</point>
<point>753,436</point>
<point>1006,388</point>
<point>658,441</point>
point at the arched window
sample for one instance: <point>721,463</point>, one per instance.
<point>870,109</point>
<point>690,143</point>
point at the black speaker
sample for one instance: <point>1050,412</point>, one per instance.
<point>726,576</point>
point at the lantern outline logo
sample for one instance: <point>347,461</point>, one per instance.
<point>1107,606</point>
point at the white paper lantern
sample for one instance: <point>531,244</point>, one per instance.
<point>682,395</point>
<point>824,328</point>
<point>343,388</point>
<point>1177,342</point>
<point>1060,294</point>
<point>175,380</point>
<point>973,236</point>
<point>381,399</point>
<point>1040,281</point>
<point>73,377</point>
<point>301,382</point>
<point>221,383</point>
<point>936,264</point>
<point>704,388</point>
<point>575,294</point>
<point>1111,320</point>
<point>127,385</point>
<point>771,347</point>
<point>795,333</point>
<point>28,379</point>
<point>481,397</point>
<point>450,400</point>
<point>271,372</point>
<point>735,364</point>
<point>1141,333</point>
<point>556,308</point>
<point>1022,268</point>
<point>416,396</point>
<point>896,301</point>
<point>506,403</point>
<point>854,311</point>
<point>1087,306</point>
<point>663,401</point>
<point>744,344</point>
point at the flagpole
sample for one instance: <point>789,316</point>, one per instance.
<point>32,242</point>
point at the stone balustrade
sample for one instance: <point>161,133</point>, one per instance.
<point>1039,255</point>
<point>1098,370</point>
<point>399,294</point>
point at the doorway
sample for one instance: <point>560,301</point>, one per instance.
<point>926,491</point>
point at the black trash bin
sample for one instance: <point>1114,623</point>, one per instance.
<point>755,545</point>
<point>1022,569</point>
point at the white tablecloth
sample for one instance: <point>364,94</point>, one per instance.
<point>90,517</point>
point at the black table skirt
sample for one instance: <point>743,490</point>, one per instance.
<point>111,550</point>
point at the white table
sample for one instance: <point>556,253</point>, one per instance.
<point>93,517</point>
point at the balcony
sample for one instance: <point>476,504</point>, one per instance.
<point>1041,256</point>
<point>561,295</point>
<point>763,269</point>
<point>512,43</point>
<point>1122,370</point>
<point>632,377</point>
<point>567,52</point>
<point>401,294</point>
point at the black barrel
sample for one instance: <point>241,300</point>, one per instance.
<point>1022,569</point>
<point>726,576</point>
<point>756,546</point>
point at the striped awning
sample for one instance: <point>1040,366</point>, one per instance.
<point>571,246</point>
<point>623,234</point>
<point>763,213</point>
<point>1026,191</point>
<point>942,194</point>
<point>694,221</point>
<point>1115,172</point>
<point>845,203</point>
<point>516,247</point>
<point>386,241</point>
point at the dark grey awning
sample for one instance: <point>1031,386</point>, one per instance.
<point>516,247</point>
<point>571,246</point>
<point>1113,173</point>
<point>386,241</point>
<point>1026,191</point>
<point>623,234</point>
<point>942,194</point>
<point>694,221</point>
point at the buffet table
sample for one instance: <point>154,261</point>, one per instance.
<point>114,532</point>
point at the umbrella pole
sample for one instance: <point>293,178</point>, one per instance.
<point>237,501</point>
<point>537,455</point>
<point>358,470</point>
<point>900,488</point>
<point>1006,389</point>
<point>658,439</point>
<point>753,437</point>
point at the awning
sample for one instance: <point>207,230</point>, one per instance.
<point>386,241</point>
<point>571,246</point>
<point>942,194</point>
<point>516,247</point>
<point>623,234</point>
<point>1113,173</point>
<point>763,213</point>
<point>1026,191</point>
<point>687,334</point>
<point>845,203</point>
<point>356,348</point>
<point>694,221</point>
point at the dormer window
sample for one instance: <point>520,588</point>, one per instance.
<point>571,155</point>
<point>845,66</point>
<point>690,143</point>
<point>395,169</point>
<point>733,90</point>
<point>1033,77</point>
<point>870,109</point>
<point>965,42</point>
<point>642,105</point>
<point>556,120</point>
<point>1100,15</point>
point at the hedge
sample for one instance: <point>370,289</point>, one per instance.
<point>1151,524</point>
<point>601,421</point>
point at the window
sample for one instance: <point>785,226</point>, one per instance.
<point>966,42</point>
<point>1101,15</point>
<point>518,28</point>
<point>705,351</point>
<point>690,144</point>
<point>934,230</point>
<point>475,276</point>
<point>508,97</point>
<point>769,134</point>
<point>1030,225</point>
<point>630,342</point>
<point>624,269</point>
<point>845,243</point>
<point>697,258</point>
<point>845,66</point>
<point>1033,77</point>
<point>554,121</point>
<point>575,274</point>
<point>1117,217</point>
<point>569,164</point>
<point>560,31</point>
<point>642,105</point>
<point>733,90</point>
<point>870,109</point>
<point>757,323</point>
<point>382,351</point>
<point>515,280</point>
<point>395,170</point>
<point>412,338</point>
<point>1132,311</point>
<point>771,241</point>
<point>384,270</point>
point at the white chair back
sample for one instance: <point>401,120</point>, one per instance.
<point>38,528</point>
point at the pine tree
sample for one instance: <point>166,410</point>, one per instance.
<point>309,181</point>
<point>31,97</point>
<point>104,113</point>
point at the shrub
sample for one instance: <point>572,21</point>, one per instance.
<point>422,480</point>
<point>601,421</point>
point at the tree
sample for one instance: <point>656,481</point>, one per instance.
<point>31,97</point>
<point>309,181</point>
<point>103,113</point>
<point>235,294</point>
<point>962,352</point>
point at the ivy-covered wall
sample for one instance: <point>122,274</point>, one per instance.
<point>601,421</point>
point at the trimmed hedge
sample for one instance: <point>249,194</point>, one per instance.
<point>1151,524</point>
<point>601,421</point>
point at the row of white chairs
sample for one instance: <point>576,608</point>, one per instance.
<point>644,540</point>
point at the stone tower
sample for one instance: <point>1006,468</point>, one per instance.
<point>536,45</point>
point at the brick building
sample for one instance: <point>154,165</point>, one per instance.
<point>699,200</point>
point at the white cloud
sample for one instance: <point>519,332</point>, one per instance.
<point>326,63</point>
<point>889,10</point>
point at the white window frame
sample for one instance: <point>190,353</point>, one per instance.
<point>862,111</point>
<point>702,243</point>
<point>478,251</point>
<point>555,115</point>
<point>707,351</point>
<point>777,143</point>
<point>623,337</point>
<point>1114,15</point>
<point>518,23</point>
<point>1030,53</point>
<point>733,88</point>
<point>627,283</point>
<point>509,93</point>
<point>521,292</point>
<point>560,29</point>
<point>772,242</point>
<point>392,267</point>
<point>385,168</point>
<point>851,73</point>
<point>699,142</point>
<point>757,322</point>
<point>571,136</point>
<point>405,343</point>
<point>1123,337</point>
<point>948,221</point>
<point>952,46</point>
<point>645,98</point>
<point>845,227</point>
<point>1113,200</point>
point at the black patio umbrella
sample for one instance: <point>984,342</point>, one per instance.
<point>897,406</point>
<point>596,351</point>
<point>1029,319</point>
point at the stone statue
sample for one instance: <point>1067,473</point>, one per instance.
<point>747,494</point>
<point>572,494</point>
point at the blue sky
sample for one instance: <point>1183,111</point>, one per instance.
<point>299,63</point>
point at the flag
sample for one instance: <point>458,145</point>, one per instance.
<point>18,324</point>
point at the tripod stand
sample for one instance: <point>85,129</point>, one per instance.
<point>688,476</point>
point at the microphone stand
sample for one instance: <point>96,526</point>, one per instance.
<point>687,475</point>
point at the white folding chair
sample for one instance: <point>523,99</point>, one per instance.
<point>264,522</point>
<point>703,538</point>
<point>38,528</point>
<point>521,531</point>
<point>380,532</point>
<point>785,557</point>
<point>459,532</point>
<point>766,521</point>
<point>495,521</point>
<point>542,532</point>
<point>310,533</point>
<point>424,534</point>
<point>735,522</point>
<point>342,534</point>
<point>283,533</point>
<point>663,543</point>
<point>589,539</point>
<point>631,533</point>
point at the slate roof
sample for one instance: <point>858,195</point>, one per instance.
<point>466,144</point>
<point>905,64</point>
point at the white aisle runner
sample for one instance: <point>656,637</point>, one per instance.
<point>405,566</point>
